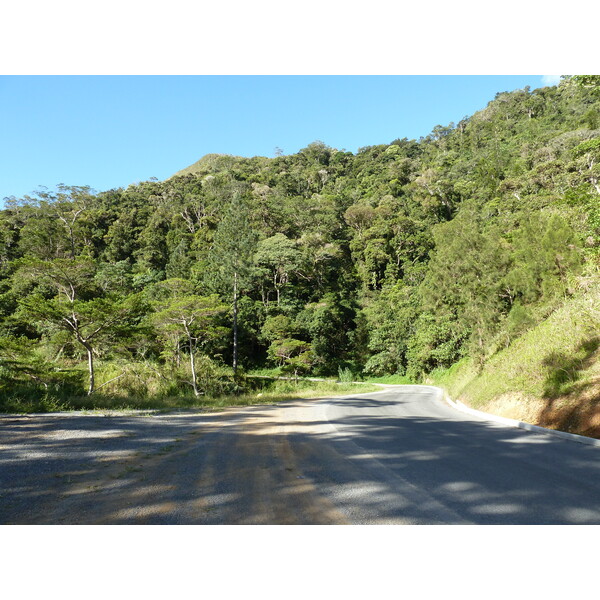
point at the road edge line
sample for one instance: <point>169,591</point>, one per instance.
<point>458,405</point>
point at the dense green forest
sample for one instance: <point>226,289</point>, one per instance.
<point>401,258</point>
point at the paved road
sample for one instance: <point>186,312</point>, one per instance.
<point>401,456</point>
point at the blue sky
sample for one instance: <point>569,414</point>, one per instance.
<point>110,131</point>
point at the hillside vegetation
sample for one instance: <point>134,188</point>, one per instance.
<point>460,256</point>
<point>549,376</point>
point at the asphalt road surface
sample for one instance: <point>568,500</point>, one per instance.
<point>401,456</point>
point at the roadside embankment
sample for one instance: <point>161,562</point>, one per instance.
<point>549,376</point>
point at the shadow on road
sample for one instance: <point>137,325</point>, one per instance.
<point>364,463</point>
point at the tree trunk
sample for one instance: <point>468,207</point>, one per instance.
<point>90,354</point>
<point>193,367</point>
<point>177,354</point>
<point>235,331</point>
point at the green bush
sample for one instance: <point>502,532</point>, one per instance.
<point>345,375</point>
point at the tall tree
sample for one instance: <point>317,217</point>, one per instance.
<point>187,316</point>
<point>277,257</point>
<point>75,308</point>
<point>230,259</point>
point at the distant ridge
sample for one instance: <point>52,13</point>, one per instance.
<point>212,163</point>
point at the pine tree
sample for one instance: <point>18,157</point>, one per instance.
<point>230,260</point>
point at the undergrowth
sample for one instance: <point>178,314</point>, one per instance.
<point>254,391</point>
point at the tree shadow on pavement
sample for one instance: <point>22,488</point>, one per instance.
<point>364,463</point>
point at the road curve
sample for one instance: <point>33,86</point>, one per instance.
<point>400,456</point>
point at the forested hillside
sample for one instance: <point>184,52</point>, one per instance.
<point>403,258</point>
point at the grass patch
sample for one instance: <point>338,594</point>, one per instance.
<point>274,372</point>
<point>282,390</point>
<point>391,379</point>
<point>556,357</point>
<point>549,376</point>
<point>260,391</point>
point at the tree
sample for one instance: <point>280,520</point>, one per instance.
<point>230,260</point>
<point>589,164</point>
<point>544,253</point>
<point>278,256</point>
<point>18,360</point>
<point>56,224</point>
<point>301,361</point>
<point>465,280</point>
<point>329,324</point>
<point>591,82</point>
<point>391,316</point>
<point>188,317</point>
<point>85,318</point>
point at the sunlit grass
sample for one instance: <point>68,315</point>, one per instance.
<point>271,391</point>
<point>553,367</point>
<point>391,380</point>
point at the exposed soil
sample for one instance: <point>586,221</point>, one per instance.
<point>577,412</point>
